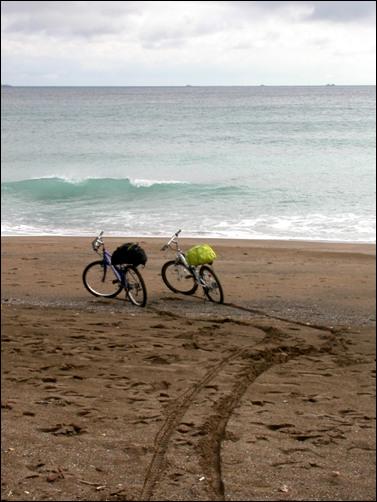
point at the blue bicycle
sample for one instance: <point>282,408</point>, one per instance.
<point>102,278</point>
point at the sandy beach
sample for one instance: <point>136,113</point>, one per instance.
<point>270,396</point>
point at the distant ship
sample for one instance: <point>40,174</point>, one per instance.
<point>5,85</point>
<point>329,85</point>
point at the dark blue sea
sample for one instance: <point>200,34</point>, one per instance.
<point>262,162</point>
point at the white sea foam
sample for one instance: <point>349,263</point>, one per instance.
<point>151,182</point>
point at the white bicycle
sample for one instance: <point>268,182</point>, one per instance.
<point>180,277</point>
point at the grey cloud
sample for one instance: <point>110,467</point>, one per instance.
<point>86,19</point>
<point>78,19</point>
<point>342,11</point>
<point>338,11</point>
<point>184,28</point>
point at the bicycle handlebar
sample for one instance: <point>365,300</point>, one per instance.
<point>97,242</point>
<point>171,240</point>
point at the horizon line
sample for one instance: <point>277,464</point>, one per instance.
<point>187,85</point>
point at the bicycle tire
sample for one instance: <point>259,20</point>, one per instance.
<point>98,283</point>
<point>213,288</point>
<point>135,286</point>
<point>178,279</point>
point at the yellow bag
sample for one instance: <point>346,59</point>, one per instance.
<point>200,254</point>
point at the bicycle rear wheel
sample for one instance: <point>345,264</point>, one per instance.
<point>100,280</point>
<point>135,286</point>
<point>178,278</point>
<point>213,288</point>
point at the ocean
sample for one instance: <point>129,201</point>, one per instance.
<point>289,163</point>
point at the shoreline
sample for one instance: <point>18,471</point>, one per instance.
<point>201,238</point>
<point>370,246</point>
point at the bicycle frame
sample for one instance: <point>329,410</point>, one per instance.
<point>106,256</point>
<point>181,259</point>
<point>180,277</point>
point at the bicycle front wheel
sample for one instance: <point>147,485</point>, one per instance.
<point>212,288</point>
<point>100,280</point>
<point>178,278</point>
<point>135,286</point>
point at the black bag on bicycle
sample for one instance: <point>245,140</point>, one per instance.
<point>129,253</point>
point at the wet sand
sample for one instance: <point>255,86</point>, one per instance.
<point>270,396</point>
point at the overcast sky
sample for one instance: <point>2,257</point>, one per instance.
<point>178,43</point>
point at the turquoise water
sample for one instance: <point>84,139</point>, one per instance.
<point>233,162</point>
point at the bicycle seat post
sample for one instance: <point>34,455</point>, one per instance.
<point>195,273</point>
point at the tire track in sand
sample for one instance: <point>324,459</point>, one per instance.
<point>196,441</point>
